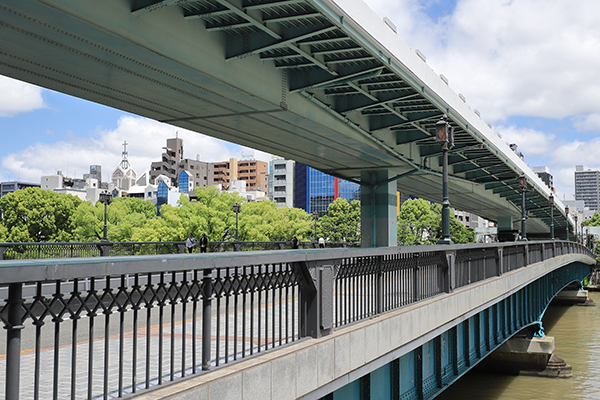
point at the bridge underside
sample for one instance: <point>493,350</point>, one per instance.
<point>301,79</point>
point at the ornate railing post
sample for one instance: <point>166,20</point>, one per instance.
<point>316,299</point>
<point>449,274</point>
<point>13,342</point>
<point>379,289</point>
<point>500,262</point>
<point>105,249</point>
<point>416,268</point>
<point>207,290</point>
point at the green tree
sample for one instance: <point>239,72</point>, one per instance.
<point>124,216</point>
<point>89,222</point>
<point>263,221</point>
<point>342,221</point>
<point>594,221</point>
<point>212,213</point>
<point>36,215</point>
<point>420,222</point>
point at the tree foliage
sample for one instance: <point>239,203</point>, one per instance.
<point>420,223</point>
<point>36,215</point>
<point>342,221</point>
<point>594,221</point>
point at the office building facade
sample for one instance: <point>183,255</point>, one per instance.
<point>254,172</point>
<point>587,187</point>
<point>315,190</point>
<point>281,182</point>
<point>173,163</point>
<point>13,186</point>
<point>544,174</point>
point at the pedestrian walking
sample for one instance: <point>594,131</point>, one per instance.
<point>190,243</point>
<point>295,243</point>
<point>203,243</point>
<point>321,242</point>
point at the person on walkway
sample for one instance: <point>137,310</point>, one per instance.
<point>295,243</point>
<point>203,243</point>
<point>321,242</point>
<point>190,243</point>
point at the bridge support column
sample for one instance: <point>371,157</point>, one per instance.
<point>571,297</point>
<point>505,229</point>
<point>379,223</point>
<point>528,356</point>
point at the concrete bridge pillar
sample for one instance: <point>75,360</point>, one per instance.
<point>528,356</point>
<point>379,223</point>
<point>571,297</point>
<point>505,225</point>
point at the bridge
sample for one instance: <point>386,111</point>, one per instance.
<point>329,84</point>
<point>324,82</point>
<point>400,322</point>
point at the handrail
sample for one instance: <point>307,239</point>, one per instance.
<point>48,250</point>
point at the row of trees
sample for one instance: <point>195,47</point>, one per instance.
<point>35,215</point>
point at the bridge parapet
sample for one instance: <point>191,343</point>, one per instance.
<point>179,315</point>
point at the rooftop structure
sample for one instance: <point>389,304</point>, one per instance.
<point>173,163</point>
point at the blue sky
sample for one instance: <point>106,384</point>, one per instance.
<point>529,66</point>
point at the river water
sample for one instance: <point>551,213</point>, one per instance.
<point>576,331</point>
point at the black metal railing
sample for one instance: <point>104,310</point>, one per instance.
<point>49,250</point>
<point>110,327</point>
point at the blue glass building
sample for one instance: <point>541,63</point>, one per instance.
<point>184,182</point>
<point>162,196</point>
<point>314,190</point>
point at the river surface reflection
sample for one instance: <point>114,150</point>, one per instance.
<point>576,331</point>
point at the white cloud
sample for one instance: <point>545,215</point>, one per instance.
<point>529,141</point>
<point>588,123</point>
<point>18,97</point>
<point>145,139</point>
<point>558,154</point>
<point>520,57</point>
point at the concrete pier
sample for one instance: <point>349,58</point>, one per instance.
<point>521,355</point>
<point>573,297</point>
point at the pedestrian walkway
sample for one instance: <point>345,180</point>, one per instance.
<point>171,349</point>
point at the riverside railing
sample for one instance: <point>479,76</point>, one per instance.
<point>39,250</point>
<point>113,326</point>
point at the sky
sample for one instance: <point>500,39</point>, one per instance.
<point>530,67</point>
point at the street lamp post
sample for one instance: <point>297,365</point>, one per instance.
<point>551,201</point>
<point>106,198</point>
<point>236,209</point>
<point>576,229</point>
<point>523,186</point>
<point>315,216</point>
<point>567,215</point>
<point>445,138</point>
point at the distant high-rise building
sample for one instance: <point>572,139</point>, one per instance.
<point>544,173</point>
<point>587,187</point>
<point>281,182</point>
<point>315,190</point>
